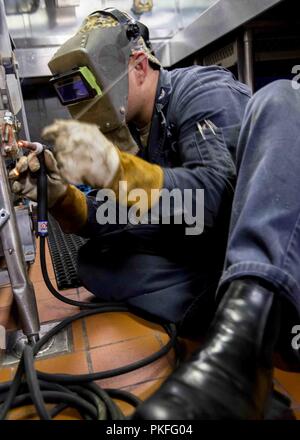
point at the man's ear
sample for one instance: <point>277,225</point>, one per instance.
<point>139,62</point>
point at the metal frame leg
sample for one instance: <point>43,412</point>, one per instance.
<point>22,287</point>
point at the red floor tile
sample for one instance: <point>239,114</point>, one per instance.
<point>290,382</point>
<point>6,374</point>
<point>71,363</point>
<point>6,296</point>
<point>85,295</point>
<point>123,353</point>
<point>53,309</point>
<point>108,328</point>
<point>142,390</point>
<point>23,413</point>
<point>42,292</point>
<point>8,319</point>
<point>79,342</point>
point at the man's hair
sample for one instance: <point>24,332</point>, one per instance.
<point>146,37</point>
<point>153,66</point>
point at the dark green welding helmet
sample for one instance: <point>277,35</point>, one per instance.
<point>90,71</point>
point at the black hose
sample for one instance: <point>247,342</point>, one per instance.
<point>42,199</point>
<point>44,390</point>
<point>125,396</point>
<point>66,378</point>
<point>33,383</point>
<point>13,390</point>
<point>57,388</point>
<point>64,390</point>
<point>93,398</point>
<point>58,409</point>
<point>55,293</point>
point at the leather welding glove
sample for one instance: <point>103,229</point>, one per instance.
<point>65,201</point>
<point>85,155</point>
<point>25,183</point>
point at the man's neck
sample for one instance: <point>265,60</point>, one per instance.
<point>145,116</point>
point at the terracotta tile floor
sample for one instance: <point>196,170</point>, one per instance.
<point>104,342</point>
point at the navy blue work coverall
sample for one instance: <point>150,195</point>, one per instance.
<point>158,268</point>
<point>264,237</point>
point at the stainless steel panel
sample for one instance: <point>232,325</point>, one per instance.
<point>51,25</point>
<point>4,277</point>
<point>220,19</point>
<point>5,45</point>
<point>164,20</point>
<point>66,3</point>
<point>22,287</point>
<point>25,227</point>
<point>34,62</point>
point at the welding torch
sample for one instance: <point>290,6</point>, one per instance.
<point>42,186</point>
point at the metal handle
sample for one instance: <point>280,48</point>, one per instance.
<point>42,197</point>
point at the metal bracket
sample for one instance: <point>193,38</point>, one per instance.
<point>4,216</point>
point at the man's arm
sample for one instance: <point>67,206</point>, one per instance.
<point>203,150</point>
<point>208,118</point>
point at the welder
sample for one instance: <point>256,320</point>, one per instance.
<point>138,124</point>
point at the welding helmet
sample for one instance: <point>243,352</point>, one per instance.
<point>90,72</point>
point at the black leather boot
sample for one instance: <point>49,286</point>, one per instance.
<point>231,376</point>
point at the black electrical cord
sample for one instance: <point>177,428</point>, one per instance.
<point>33,383</point>
<point>64,390</point>
<point>54,292</point>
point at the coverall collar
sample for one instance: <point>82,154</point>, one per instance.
<point>163,89</point>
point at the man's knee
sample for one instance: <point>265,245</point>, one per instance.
<point>278,101</point>
<point>277,94</point>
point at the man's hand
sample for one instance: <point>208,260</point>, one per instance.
<point>25,180</point>
<point>83,153</point>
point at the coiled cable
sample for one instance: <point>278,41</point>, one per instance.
<point>31,386</point>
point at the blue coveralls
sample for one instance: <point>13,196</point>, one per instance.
<point>158,268</point>
<point>264,239</point>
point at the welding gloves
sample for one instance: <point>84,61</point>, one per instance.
<point>85,155</point>
<point>65,202</point>
<point>26,183</point>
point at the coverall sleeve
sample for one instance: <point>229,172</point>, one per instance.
<point>207,159</point>
<point>92,229</point>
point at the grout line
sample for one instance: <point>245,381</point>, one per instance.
<point>87,347</point>
<point>121,341</point>
<point>128,387</point>
<point>168,355</point>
